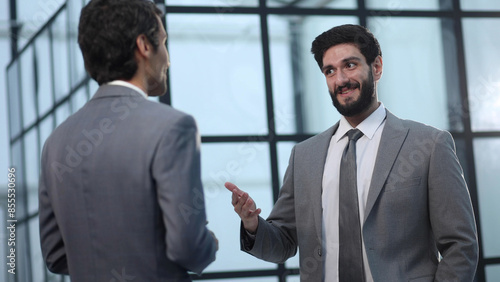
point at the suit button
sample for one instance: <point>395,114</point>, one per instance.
<point>319,252</point>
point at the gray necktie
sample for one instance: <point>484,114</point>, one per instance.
<point>350,249</point>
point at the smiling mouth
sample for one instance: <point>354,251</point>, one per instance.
<point>347,89</point>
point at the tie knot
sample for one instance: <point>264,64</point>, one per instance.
<point>354,134</point>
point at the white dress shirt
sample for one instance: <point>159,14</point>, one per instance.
<point>366,153</point>
<point>129,85</point>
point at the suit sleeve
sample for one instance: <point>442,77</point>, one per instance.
<point>51,241</point>
<point>176,170</point>
<point>451,214</point>
<point>276,237</point>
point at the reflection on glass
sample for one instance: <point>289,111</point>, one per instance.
<point>488,189</point>
<point>492,272</point>
<point>13,96</point>
<point>219,5</point>
<point>335,4</point>
<point>43,70</point>
<point>398,5</point>
<point>481,39</point>
<point>31,157</point>
<point>28,82</point>
<point>217,72</point>
<point>301,100</point>
<point>413,85</point>
<point>60,47</point>
<point>246,165</point>
<point>480,5</point>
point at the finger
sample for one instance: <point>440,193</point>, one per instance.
<point>254,212</point>
<point>233,188</point>
<point>238,207</point>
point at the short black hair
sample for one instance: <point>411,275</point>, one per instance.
<point>350,34</point>
<point>107,34</point>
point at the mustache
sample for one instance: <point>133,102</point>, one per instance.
<point>349,85</point>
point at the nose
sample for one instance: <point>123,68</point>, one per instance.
<point>168,59</point>
<point>341,78</point>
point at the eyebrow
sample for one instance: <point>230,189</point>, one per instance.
<point>348,59</point>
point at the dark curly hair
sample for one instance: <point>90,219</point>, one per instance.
<point>107,35</point>
<point>351,34</point>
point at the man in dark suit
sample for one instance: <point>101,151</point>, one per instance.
<point>413,219</point>
<point>120,194</point>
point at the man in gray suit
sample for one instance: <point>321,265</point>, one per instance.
<point>415,214</point>
<point>120,194</point>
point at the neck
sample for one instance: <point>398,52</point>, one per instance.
<point>359,118</point>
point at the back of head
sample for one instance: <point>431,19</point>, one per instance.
<point>346,34</point>
<point>107,34</point>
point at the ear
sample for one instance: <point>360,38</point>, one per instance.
<point>377,68</point>
<point>144,48</point>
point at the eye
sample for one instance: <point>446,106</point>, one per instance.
<point>329,71</point>
<point>351,65</point>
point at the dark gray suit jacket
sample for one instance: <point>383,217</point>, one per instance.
<point>418,205</point>
<point>120,193</point>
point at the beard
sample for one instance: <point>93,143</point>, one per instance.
<point>355,107</point>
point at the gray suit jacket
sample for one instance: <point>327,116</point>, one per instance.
<point>418,205</point>
<point>120,195</point>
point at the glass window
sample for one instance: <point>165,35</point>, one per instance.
<point>14,103</point>
<point>462,156</point>
<point>338,4</point>
<point>33,15</point>
<point>217,72</point>
<point>487,168</point>
<point>46,127</point>
<point>301,100</point>
<point>18,163</point>
<point>28,82</point>
<point>480,5</point>
<point>77,69</point>
<point>284,150</point>
<point>413,85</point>
<point>31,168</point>
<point>22,253</point>
<point>246,165</point>
<point>37,263</point>
<point>493,272</point>
<point>219,5</point>
<point>78,99</point>
<point>60,56</point>
<point>44,73</point>
<point>409,5</point>
<point>63,112</point>
<point>481,40</point>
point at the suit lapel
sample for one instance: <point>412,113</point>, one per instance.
<point>320,149</point>
<point>391,141</point>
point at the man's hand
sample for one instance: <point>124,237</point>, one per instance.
<point>245,207</point>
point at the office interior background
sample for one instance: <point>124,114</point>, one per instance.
<point>243,69</point>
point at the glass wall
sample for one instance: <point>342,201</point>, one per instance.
<point>244,70</point>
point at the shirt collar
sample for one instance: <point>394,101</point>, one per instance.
<point>129,85</point>
<point>367,126</point>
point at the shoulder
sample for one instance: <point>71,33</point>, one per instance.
<point>417,131</point>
